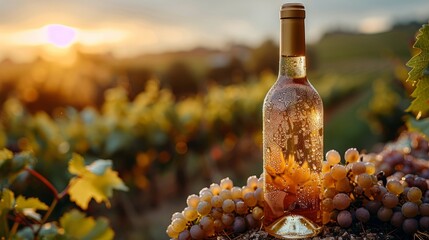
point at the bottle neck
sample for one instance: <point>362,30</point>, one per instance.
<point>292,48</point>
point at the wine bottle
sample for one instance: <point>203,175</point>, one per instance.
<point>292,138</point>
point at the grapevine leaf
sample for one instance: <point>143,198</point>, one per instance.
<point>93,181</point>
<point>32,203</point>
<point>77,164</point>
<point>7,200</point>
<point>77,226</point>
<point>421,95</point>
<point>421,126</point>
<point>419,63</point>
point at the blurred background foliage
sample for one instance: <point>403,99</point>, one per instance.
<point>174,122</point>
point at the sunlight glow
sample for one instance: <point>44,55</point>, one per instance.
<point>60,35</point>
<point>374,25</point>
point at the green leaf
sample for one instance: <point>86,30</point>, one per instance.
<point>77,226</point>
<point>96,180</point>
<point>32,203</point>
<point>421,94</point>
<point>421,126</point>
<point>419,63</point>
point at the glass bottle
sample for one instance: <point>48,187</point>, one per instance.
<point>292,138</point>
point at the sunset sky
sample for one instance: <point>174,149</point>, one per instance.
<point>131,27</point>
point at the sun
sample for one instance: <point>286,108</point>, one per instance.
<point>60,35</point>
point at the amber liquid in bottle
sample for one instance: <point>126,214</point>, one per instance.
<point>292,139</point>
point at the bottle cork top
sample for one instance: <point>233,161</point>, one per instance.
<point>292,10</point>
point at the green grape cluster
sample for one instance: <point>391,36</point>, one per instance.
<point>358,192</point>
<point>221,208</point>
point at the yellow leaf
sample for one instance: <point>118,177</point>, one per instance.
<point>77,226</point>
<point>91,182</point>
<point>77,164</point>
<point>32,203</point>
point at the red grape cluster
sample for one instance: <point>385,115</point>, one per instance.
<point>358,191</point>
<point>221,208</point>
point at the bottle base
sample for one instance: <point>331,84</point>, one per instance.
<point>293,227</point>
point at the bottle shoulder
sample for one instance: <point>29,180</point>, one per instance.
<point>300,89</point>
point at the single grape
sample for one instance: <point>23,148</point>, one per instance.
<point>257,213</point>
<point>343,185</point>
<point>344,219</point>
<point>333,157</point>
<point>410,225</point>
<point>190,214</point>
<point>197,232</point>
<point>171,233</point>
<point>373,207</point>
<point>351,155</point>
<point>245,190</point>
<point>227,219</point>
<point>216,201</point>
<point>397,219</point>
<point>204,208</point>
<point>251,222</point>
<point>239,225</point>
<point>177,215</point>
<point>424,223</point>
<point>394,186</point>
<point>362,215</point>
<point>184,235</point>
<point>358,168</point>
<point>236,193</point>
<point>252,182</point>
<point>384,214</point>
<point>240,207</point>
<point>226,183</point>
<point>338,172</point>
<point>192,201</point>
<point>204,190</point>
<point>414,194</point>
<point>206,223</point>
<point>225,194</point>
<point>179,224</point>
<point>421,183</point>
<point>250,199</point>
<point>410,209</point>
<point>364,180</point>
<point>215,188</point>
<point>329,192</point>
<point>206,196</point>
<point>228,206</point>
<point>370,168</point>
<point>424,209</point>
<point>341,201</point>
<point>390,200</point>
